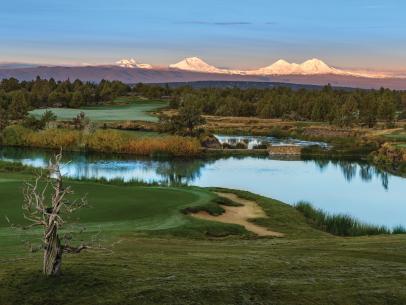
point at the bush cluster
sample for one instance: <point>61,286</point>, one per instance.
<point>109,141</point>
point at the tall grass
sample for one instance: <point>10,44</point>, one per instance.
<point>341,225</point>
<point>109,141</point>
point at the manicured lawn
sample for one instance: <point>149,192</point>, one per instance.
<point>135,110</point>
<point>129,208</point>
<point>160,256</point>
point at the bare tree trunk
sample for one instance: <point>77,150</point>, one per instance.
<point>53,250</point>
<point>52,253</point>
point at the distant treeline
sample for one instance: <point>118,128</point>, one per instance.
<point>340,107</point>
<point>16,98</point>
<point>336,106</point>
<point>344,108</point>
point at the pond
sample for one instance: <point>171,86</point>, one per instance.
<point>355,188</point>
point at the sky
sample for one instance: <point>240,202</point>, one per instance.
<point>226,33</point>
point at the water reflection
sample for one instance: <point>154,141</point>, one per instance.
<point>349,169</point>
<point>337,186</point>
<point>174,171</point>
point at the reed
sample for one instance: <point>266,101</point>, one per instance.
<point>341,225</point>
<point>108,141</point>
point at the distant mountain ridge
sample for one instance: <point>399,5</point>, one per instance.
<point>281,67</point>
<point>311,72</point>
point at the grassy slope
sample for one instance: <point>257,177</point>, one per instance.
<point>306,267</point>
<point>135,110</point>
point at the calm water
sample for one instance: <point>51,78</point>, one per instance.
<point>252,141</point>
<point>353,188</point>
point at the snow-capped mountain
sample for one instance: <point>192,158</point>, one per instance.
<point>281,67</point>
<point>132,63</point>
<point>310,72</point>
<point>196,64</point>
<point>310,67</point>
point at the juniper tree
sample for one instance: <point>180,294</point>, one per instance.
<point>46,203</point>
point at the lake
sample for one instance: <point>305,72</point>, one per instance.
<point>354,188</point>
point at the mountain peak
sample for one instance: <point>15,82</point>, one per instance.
<point>309,67</point>
<point>195,64</point>
<point>316,66</point>
<point>132,63</point>
<point>281,62</point>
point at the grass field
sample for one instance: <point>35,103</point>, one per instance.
<point>161,256</point>
<point>134,110</point>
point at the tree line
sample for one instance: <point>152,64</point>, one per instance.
<point>339,107</point>
<point>335,106</point>
<point>17,98</point>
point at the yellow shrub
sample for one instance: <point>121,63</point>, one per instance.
<point>176,146</point>
<point>101,141</point>
<point>106,141</point>
<point>55,139</point>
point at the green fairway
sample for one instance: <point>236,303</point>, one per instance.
<point>161,256</point>
<point>135,110</point>
<point>127,208</point>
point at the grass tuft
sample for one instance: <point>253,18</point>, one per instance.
<point>340,225</point>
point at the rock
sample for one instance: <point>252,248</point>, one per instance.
<point>285,150</point>
<point>210,141</point>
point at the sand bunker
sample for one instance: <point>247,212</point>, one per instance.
<point>240,215</point>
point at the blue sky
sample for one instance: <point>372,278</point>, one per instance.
<point>238,33</point>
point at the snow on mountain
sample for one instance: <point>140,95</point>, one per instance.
<point>132,63</point>
<point>316,66</point>
<point>197,65</point>
<point>310,67</point>
<point>281,67</point>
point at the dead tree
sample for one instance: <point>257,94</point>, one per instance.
<point>46,203</point>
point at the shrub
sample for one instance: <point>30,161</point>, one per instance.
<point>278,132</point>
<point>55,139</point>
<point>15,135</point>
<point>173,145</point>
<point>106,141</point>
<point>102,141</point>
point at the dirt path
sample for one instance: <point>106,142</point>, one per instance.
<point>240,215</point>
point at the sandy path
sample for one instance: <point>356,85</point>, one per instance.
<point>240,215</point>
